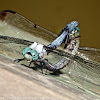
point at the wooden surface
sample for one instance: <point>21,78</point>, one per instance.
<point>21,83</point>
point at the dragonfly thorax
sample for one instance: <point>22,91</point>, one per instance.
<point>39,48</point>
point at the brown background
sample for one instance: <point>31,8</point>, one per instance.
<point>55,14</point>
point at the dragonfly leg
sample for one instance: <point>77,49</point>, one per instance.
<point>41,66</point>
<point>46,72</point>
<point>30,63</point>
<point>36,65</point>
<point>42,70</point>
<point>18,60</point>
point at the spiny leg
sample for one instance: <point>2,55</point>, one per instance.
<point>42,70</point>
<point>18,60</point>
<point>36,65</point>
<point>46,72</point>
<point>30,63</point>
<point>41,66</point>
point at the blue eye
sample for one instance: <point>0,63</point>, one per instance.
<point>26,50</point>
<point>77,31</point>
<point>34,55</point>
<point>77,28</point>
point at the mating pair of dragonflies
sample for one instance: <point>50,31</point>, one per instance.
<point>36,53</point>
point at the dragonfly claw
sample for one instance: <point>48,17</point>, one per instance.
<point>18,60</point>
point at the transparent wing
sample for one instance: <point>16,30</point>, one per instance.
<point>12,47</point>
<point>15,25</point>
<point>91,53</point>
<point>80,72</point>
<point>83,70</point>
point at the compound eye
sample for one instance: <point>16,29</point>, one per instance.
<point>33,54</point>
<point>77,28</point>
<point>26,50</point>
<point>76,31</point>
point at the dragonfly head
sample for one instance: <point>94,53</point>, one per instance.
<point>75,32</point>
<point>29,54</point>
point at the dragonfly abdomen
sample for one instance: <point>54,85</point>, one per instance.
<point>59,65</point>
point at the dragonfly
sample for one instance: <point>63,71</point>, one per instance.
<point>82,64</point>
<point>36,52</point>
